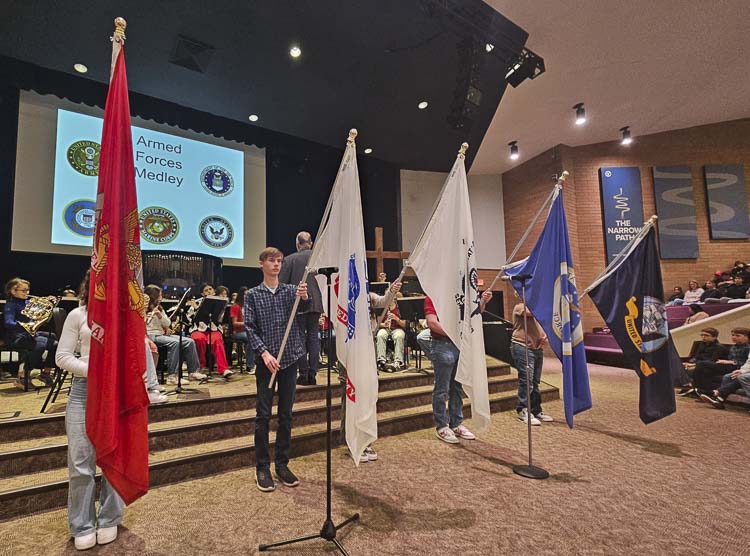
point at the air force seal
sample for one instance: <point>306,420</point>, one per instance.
<point>158,225</point>
<point>216,231</point>
<point>217,181</point>
<point>83,156</point>
<point>80,217</point>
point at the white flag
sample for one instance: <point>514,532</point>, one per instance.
<point>445,262</point>
<point>341,243</point>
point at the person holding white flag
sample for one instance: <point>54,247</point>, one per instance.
<point>341,244</point>
<point>444,259</point>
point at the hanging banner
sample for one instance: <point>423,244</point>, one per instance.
<point>622,207</point>
<point>727,201</point>
<point>673,194</point>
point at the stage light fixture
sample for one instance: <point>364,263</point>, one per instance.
<point>80,68</point>
<point>422,105</point>
<point>489,47</point>
<point>626,138</point>
<point>580,113</point>
<point>368,150</point>
<point>295,52</point>
<point>253,117</point>
<point>513,150</point>
<point>526,65</point>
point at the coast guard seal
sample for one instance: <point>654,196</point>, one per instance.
<point>217,181</point>
<point>83,156</point>
<point>216,231</point>
<point>80,217</point>
<point>158,225</point>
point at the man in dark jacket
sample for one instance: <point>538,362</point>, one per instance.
<point>706,371</point>
<point>292,270</point>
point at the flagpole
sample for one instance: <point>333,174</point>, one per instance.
<point>391,294</point>
<point>350,151</point>
<point>118,39</point>
<point>547,201</point>
<point>621,256</point>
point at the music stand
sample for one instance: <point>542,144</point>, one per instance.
<point>210,312</point>
<point>182,324</point>
<point>411,310</point>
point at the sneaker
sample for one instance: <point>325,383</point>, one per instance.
<point>541,416</point>
<point>156,397</point>
<point>522,416</point>
<point>371,454</point>
<point>106,535</point>
<point>312,380</point>
<point>302,381</point>
<point>286,476</point>
<point>715,401</point>
<point>447,435</point>
<point>264,480</point>
<point>381,364</point>
<point>162,388</point>
<point>686,391</point>
<point>84,542</point>
<point>463,432</point>
<point>363,458</point>
<point>197,376</point>
<point>399,365</point>
<point>250,370</point>
<point>226,374</point>
<point>172,381</point>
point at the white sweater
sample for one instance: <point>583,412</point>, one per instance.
<point>75,338</point>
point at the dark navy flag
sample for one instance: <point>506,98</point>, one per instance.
<point>631,301</point>
<point>552,297</point>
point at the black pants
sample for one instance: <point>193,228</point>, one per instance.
<point>707,375</point>
<point>286,382</point>
<point>35,349</point>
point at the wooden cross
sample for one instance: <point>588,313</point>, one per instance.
<point>380,255</point>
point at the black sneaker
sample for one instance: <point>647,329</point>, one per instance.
<point>286,477</point>
<point>686,391</point>
<point>713,400</point>
<point>264,480</point>
<point>381,364</point>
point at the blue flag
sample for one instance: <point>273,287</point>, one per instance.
<point>552,298</point>
<point>631,301</point>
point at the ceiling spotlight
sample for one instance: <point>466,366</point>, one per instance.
<point>80,68</point>
<point>253,117</point>
<point>295,52</point>
<point>368,150</point>
<point>626,138</point>
<point>489,47</point>
<point>580,113</point>
<point>513,150</point>
<point>422,105</point>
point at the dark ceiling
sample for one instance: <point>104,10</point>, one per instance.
<point>363,64</point>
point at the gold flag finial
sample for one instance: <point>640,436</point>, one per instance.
<point>562,178</point>
<point>653,219</point>
<point>352,136</point>
<point>462,150</point>
<point>120,25</point>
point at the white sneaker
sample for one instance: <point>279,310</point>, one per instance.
<point>463,432</point>
<point>172,381</point>
<point>197,376</point>
<point>446,435</point>
<point>106,535</point>
<point>362,459</point>
<point>156,397</point>
<point>227,373</point>
<point>162,388</point>
<point>544,417</point>
<point>522,417</point>
<point>371,454</point>
<point>84,542</point>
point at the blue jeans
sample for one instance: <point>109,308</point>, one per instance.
<point>286,381</point>
<point>730,385</point>
<point>536,359</point>
<point>82,518</point>
<point>444,356</point>
<point>308,365</point>
<point>189,353</point>
<point>241,337</point>
<point>424,339</point>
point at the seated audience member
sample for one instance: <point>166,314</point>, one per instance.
<point>694,292</point>
<point>740,269</point>
<point>733,381</point>
<point>707,352</point>
<point>677,293</point>
<point>202,336</point>
<point>710,291</point>
<point>157,329</point>
<point>737,290</point>
<point>17,292</point>
<point>696,313</point>
<point>393,326</point>
<point>239,334</point>
<point>724,280</point>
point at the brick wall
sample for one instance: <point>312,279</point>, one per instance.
<point>526,186</point>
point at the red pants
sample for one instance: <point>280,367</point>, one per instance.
<point>217,348</point>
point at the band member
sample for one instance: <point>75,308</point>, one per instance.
<point>292,270</point>
<point>203,336</point>
<point>267,310</point>
<point>238,327</point>
<point>17,292</point>
<point>157,328</point>
<point>393,326</point>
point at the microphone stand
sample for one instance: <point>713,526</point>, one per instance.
<point>328,530</point>
<point>529,471</point>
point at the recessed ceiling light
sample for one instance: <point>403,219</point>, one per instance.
<point>295,52</point>
<point>580,113</point>
<point>422,105</point>
<point>489,47</point>
<point>513,150</point>
<point>626,138</point>
<point>253,117</point>
<point>368,150</point>
<point>80,68</point>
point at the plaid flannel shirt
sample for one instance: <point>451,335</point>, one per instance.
<point>739,353</point>
<point>266,316</point>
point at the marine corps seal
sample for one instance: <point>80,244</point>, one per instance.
<point>158,225</point>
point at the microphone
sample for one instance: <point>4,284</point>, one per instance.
<point>327,270</point>
<point>519,278</point>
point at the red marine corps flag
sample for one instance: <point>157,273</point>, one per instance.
<point>116,411</point>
